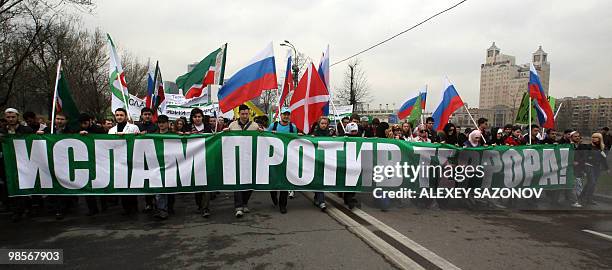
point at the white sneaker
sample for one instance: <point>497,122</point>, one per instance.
<point>291,194</point>
<point>239,213</point>
<point>322,206</point>
<point>577,205</point>
<point>245,210</point>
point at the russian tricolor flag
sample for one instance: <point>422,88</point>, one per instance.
<point>324,74</point>
<point>451,101</point>
<point>250,81</point>
<point>542,106</point>
<point>287,84</point>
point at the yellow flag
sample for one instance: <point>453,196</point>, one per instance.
<point>255,111</point>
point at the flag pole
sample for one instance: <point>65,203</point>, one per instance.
<point>217,115</point>
<point>57,75</point>
<point>530,104</point>
<point>125,99</point>
<point>423,109</point>
<point>558,109</point>
<point>472,118</point>
<point>153,95</point>
<point>335,112</point>
<point>280,104</point>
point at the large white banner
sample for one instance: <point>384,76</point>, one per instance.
<point>176,106</point>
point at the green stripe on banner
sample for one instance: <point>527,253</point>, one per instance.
<point>156,163</point>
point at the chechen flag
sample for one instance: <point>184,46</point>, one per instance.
<point>308,100</point>
<point>209,71</point>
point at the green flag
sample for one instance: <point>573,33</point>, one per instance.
<point>522,116</point>
<point>209,71</point>
<point>415,114</point>
<point>65,103</point>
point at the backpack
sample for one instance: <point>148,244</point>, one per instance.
<point>275,125</point>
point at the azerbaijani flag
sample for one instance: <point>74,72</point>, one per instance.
<point>451,101</point>
<point>536,92</point>
<point>248,83</point>
<point>116,77</point>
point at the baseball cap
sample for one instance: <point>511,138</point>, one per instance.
<point>285,110</point>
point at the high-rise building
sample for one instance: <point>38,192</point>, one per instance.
<point>584,114</point>
<point>170,87</point>
<point>503,82</point>
<point>191,66</point>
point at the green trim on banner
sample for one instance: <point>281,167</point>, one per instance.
<point>71,164</point>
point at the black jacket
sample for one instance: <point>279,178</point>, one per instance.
<point>581,152</point>
<point>597,158</point>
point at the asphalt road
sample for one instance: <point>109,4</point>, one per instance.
<point>304,238</point>
<point>505,239</point>
<point>307,238</point>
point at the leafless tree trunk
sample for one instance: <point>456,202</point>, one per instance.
<point>24,31</point>
<point>354,88</point>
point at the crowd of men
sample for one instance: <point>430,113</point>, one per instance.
<point>589,162</point>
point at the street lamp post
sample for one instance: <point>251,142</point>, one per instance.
<point>294,66</point>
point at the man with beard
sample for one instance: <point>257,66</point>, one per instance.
<point>129,202</point>
<point>60,203</point>
<point>14,127</point>
<point>87,126</point>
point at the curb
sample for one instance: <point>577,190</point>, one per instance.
<point>393,255</point>
<point>603,198</point>
<point>410,251</point>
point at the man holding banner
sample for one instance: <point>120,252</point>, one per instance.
<point>13,126</point>
<point>129,202</point>
<point>241,198</point>
<point>283,126</point>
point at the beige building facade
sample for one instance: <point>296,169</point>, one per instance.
<point>503,82</point>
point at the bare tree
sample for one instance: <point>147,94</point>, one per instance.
<point>354,88</point>
<point>84,56</point>
<point>25,27</point>
<point>135,74</point>
<point>268,100</point>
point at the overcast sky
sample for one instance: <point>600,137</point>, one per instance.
<point>575,34</point>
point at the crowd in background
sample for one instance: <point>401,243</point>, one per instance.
<point>589,163</point>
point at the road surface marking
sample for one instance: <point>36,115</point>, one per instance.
<point>600,235</point>
<point>399,237</point>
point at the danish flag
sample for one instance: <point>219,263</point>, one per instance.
<point>308,100</point>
